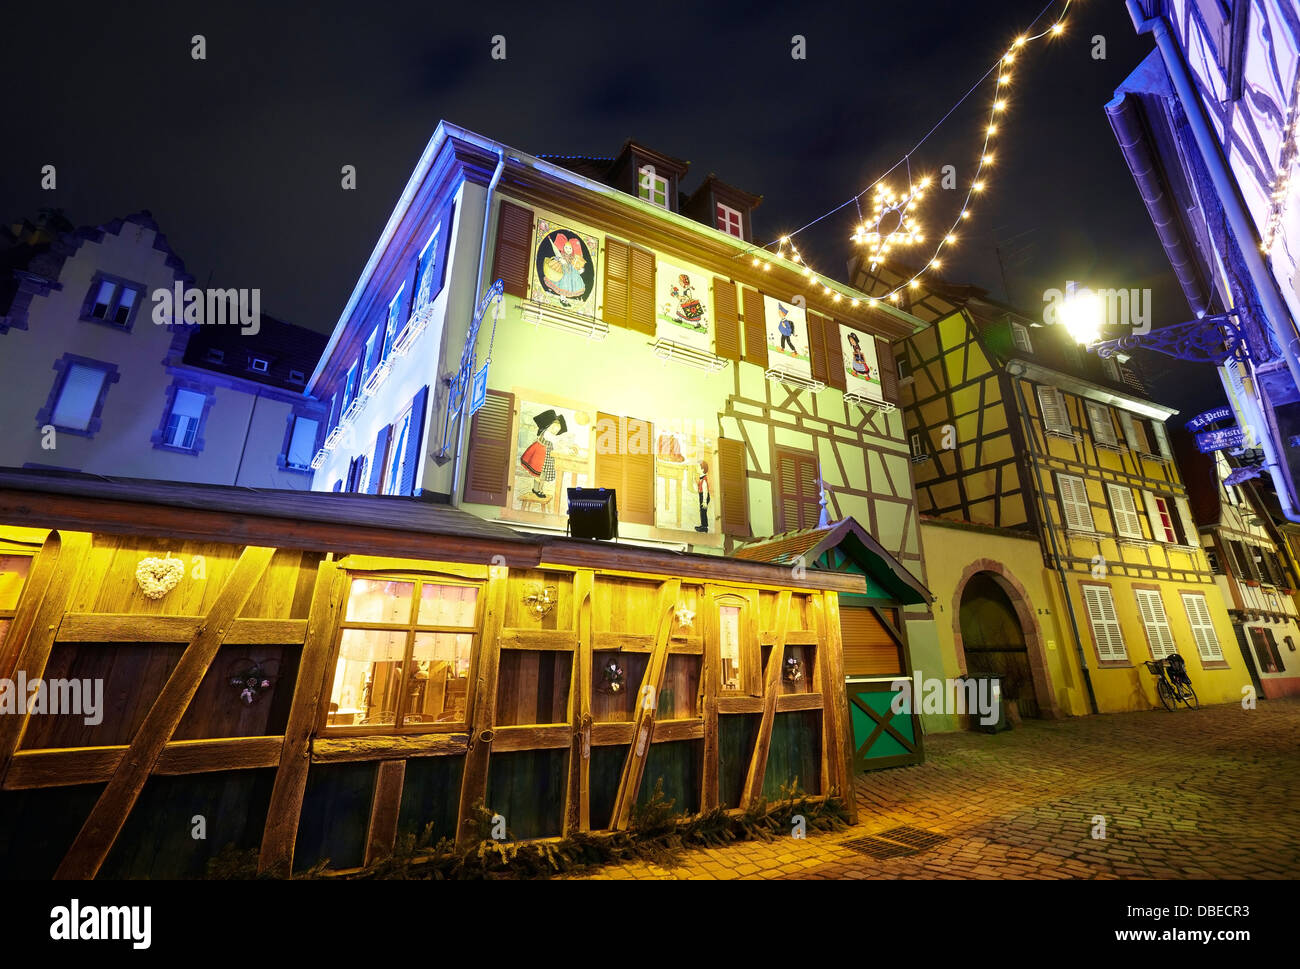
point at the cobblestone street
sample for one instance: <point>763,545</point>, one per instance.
<point>1193,794</point>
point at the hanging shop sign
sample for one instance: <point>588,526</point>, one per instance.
<point>1209,441</point>
<point>1202,421</point>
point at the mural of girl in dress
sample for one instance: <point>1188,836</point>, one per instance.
<point>537,458</point>
<point>858,367</point>
<point>689,311</point>
<point>565,267</point>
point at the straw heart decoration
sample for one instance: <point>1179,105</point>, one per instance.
<point>158,576</point>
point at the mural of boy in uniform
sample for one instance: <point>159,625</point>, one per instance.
<point>786,329</point>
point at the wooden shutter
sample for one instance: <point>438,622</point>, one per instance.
<point>1105,624</point>
<point>735,489</point>
<point>1189,523</point>
<point>1161,440</point>
<point>641,292</point>
<point>1152,610</point>
<point>444,247</point>
<point>1103,429</point>
<point>616,282</point>
<point>378,463</point>
<point>726,319</point>
<point>414,442</point>
<point>513,248</point>
<point>1074,502</point>
<point>834,355</point>
<point>888,370</point>
<point>1198,614</point>
<point>817,346</point>
<point>628,467</point>
<point>1051,406</point>
<point>869,649</point>
<point>1124,511</point>
<point>755,328</point>
<point>491,454</point>
<point>798,491</point>
<point>1158,530</point>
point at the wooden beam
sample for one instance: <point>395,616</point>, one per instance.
<point>554,639</point>
<point>794,637</point>
<point>282,813</point>
<point>382,563</point>
<point>798,701</point>
<point>647,701</point>
<point>342,750</point>
<point>753,790</point>
<point>645,643</point>
<point>92,765</point>
<point>42,569</point>
<point>483,710</point>
<point>740,704</point>
<point>605,734</point>
<point>710,673</point>
<point>837,728</point>
<point>381,833</point>
<point>105,627</point>
<point>34,645</point>
<point>535,736</point>
<point>577,792</point>
<point>97,835</point>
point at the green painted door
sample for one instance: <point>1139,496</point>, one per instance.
<point>882,737</point>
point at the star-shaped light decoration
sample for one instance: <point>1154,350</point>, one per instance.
<point>685,617</point>
<point>892,222</point>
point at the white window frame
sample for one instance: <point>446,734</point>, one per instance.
<point>1158,531</point>
<point>183,430</point>
<point>1054,412</point>
<point>1020,337</point>
<point>293,431</point>
<point>727,217</point>
<point>1073,493</point>
<point>1107,635</point>
<point>392,482</point>
<point>66,418</point>
<point>258,365</point>
<point>1151,609</point>
<point>1123,511</point>
<point>1203,632</point>
<point>919,452</point>
<point>1103,428</point>
<point>648,187</point>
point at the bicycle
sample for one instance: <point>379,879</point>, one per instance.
<point>1172,683</point>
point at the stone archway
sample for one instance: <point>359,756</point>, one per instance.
<point>1019,599</point>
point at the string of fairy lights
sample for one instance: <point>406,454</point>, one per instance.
<point>893,220</point>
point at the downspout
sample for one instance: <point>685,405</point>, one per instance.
<point>478,292</point>
<point>1046,519</point>
<point>1275,310</point>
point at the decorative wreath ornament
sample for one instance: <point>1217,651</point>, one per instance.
<point>793,669</point>
<point>611,675</point>
<point>251,680</point>
<point>158,576</point>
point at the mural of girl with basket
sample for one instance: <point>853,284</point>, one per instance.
<point>859,364</point>
<point>538,459</point>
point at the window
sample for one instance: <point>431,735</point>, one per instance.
<point>1020,336</point>
<point>1159,510</point>
<point>13,574</point>
<point>215,356</point>
<point>370,357</point>
<point>302,443</point>
<point>904,368</point>
<point>1124,511</point>
<point>651,187</point>
<point>1056,418</point>
<point>1198,614</point>
<point>358,469</point>
<point>397,456</point>
<point>350,387</point>
<point>77,399</point>
<point>918,448</point>
<point>1212,556</point>
<point>1266,652</point>
<point>1152,610</point>
<point>184,418</point>
<point>1103,428</point>
<point>1147,438</point>
<point>258,365</point>
<point>427,286</point>
<point>297,377</point>
<point>625,461</point>
<point>729,642</point>
<point>798,491</point>
<point>1074,502</point>
<point>1111,369</point>
<point>730,221</point>
<point>404,653</point>
<point>394,325</point>
<point>112,301</point>
<point>1105,624</point>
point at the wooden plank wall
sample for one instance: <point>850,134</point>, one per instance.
<point>536,685</point>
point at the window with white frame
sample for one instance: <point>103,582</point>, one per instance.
<point>651,187</point>
<point>259,365</point>
<point>302,443</point>
<point>1106,631</point>
<point>370,358</point>
<point>184,418</point>
<point>350,386</point>
<point>1103,428</point>
<point>1074,502</point>
<point>78,396</point>
<point>1056,418</point>
<point>918,448</point>
<point>730,221</point>
<point>1124,510</point>
<point>394,325</point>
<point>397,456</point>
<point>729,644</point>
<point>1020,336</point>
<point>1198,615</point>
<point>424,273</point>
<point>1161,513</point>
<point>1152,610</point>
<point>113,302</point>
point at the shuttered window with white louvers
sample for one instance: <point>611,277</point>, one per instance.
<point>1103,428</point>
<point>1105,624</point>
<point>1123,509</point>
<point>1056,418</point>
<point>1152,610</point>
<point>1198,614</point>
<point>1074,502</point>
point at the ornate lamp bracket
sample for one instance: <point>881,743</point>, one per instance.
<point>1211,339</point>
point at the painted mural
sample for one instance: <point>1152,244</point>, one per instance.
<point>861,367</point>
<point>552,453</point>
<point>564,268</point>
<point>787,337</point>
<point>685,459</point>
<point>683,306</point>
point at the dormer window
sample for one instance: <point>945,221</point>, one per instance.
<point>1020,336</point>
<point>258,365</point>
<point>297,377</point>
<point>652,187</point>
<point>215,356</point>
<point>730,221</point>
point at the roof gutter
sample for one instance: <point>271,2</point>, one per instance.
<point>1083,388</point>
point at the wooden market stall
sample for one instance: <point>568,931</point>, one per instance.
<point>312,674</point>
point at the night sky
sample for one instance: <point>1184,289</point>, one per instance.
<point>238,156</point>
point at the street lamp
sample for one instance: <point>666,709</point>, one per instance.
<point>1081,312</point>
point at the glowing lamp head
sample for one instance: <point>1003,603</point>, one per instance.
<point>1081,313</point>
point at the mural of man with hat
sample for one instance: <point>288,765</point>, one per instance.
<point>537,458</point>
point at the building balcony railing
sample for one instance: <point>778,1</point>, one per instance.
<point>672,352</point>
<point>415,325</point>
<point>589,327</point>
